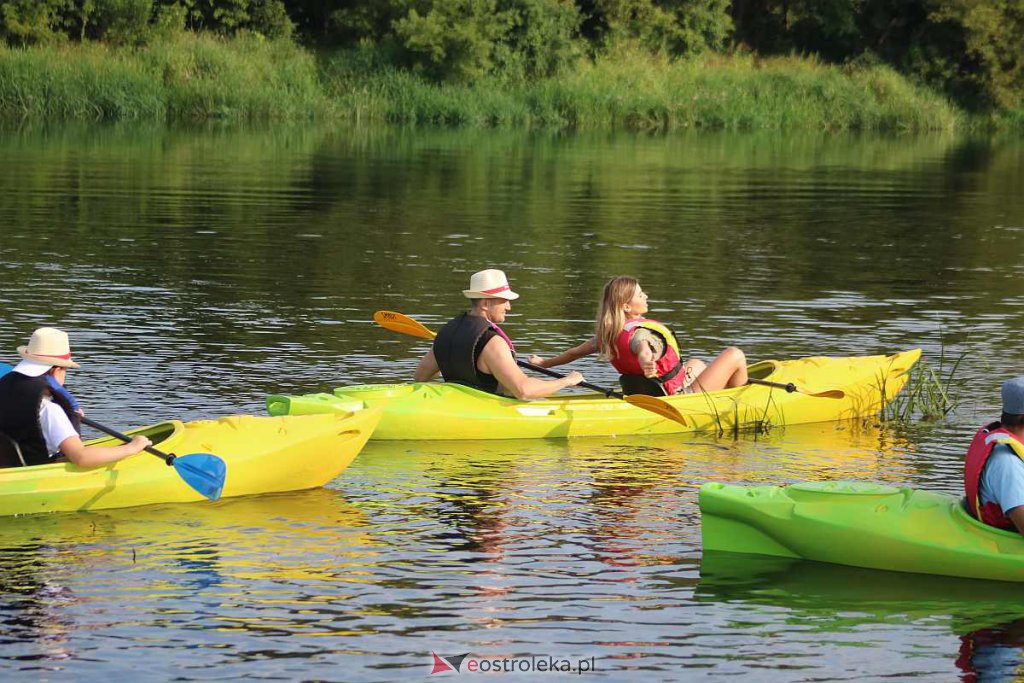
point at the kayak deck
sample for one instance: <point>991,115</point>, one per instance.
<point>429,411</point>
<point>861,525</point>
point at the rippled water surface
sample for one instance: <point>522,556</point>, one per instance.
<point>199,270</point>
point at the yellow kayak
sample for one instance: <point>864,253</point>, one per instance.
<point>263,455</point>
<point>451,411</point>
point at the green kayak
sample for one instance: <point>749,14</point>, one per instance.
<point>861,525</point>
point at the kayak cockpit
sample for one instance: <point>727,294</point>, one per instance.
<point>159,433</point>
<point>763,369</point>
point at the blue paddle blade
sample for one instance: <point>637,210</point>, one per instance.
<point>5,368</point>
<point>204,472</point>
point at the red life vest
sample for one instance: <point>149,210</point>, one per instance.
<point>977,455</point>
<point>669,366</point>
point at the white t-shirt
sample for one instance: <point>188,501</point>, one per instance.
<point>55,425</point>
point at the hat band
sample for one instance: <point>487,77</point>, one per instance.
<point>496,290</point>
<point>66,356</point>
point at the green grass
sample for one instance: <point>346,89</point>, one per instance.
<point>191,77</point>
<point>641,92</point>
<point>930,393</point>
<point>197,77</point>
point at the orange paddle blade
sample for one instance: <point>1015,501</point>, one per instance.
<point>656,405</point>
<point>831,393</point>
<point>403,324</point>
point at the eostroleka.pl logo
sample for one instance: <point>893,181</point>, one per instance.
<point>469,663</point>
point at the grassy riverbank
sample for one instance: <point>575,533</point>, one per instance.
<point>200,77</point>
<point>191,78</point>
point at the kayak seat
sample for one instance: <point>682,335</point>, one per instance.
<point>10,452</point>
<point>637,384</point>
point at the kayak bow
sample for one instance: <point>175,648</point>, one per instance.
<point>861,525</point>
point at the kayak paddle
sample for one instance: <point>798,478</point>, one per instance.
<point>204,472</point>
<point>790,388</point>
<point>397,322</point>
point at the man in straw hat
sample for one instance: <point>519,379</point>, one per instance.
<point>38,415</point>
<point>994,467</point>
<point>472,350</point>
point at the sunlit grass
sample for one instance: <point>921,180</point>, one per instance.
<point>930,393</point>
<point>196,77</point>
<point>641,92</point>
<point>186,77</point>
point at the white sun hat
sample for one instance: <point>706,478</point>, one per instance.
<point>489,284</point>
<point>49,347</point>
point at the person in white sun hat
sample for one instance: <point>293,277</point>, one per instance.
<point>38,416</point>
<point>472,349</point>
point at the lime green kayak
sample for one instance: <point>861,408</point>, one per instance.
<point>860,525</point>
<point>436,410</point>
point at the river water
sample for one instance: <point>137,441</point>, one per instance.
<point>199,270</point>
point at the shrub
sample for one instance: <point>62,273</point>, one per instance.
<point>26,22</point>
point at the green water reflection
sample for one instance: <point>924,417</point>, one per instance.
<point>199,270</point>
<point>986,616</point>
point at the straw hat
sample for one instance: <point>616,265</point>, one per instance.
<point>48,346</point>
<point>489,284</point>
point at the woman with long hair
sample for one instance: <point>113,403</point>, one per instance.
<point>645,352</point>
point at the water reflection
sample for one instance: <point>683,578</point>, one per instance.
<point>32,608</point>
<point>993,654</point>
<point>199,270</point>
<point>833,599</point>
<point>247,564</point>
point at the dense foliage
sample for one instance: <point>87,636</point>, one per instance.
<point>972,50</point>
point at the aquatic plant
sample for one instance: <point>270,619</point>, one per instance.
<point>930,393</point>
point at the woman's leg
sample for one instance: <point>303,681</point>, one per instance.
<point>693,368</point>
<point>728,369</point>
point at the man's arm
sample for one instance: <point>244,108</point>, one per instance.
<point>1003,478</point>
<point>1016,516</point>
<point>427,368</point>
<point>496,359</point>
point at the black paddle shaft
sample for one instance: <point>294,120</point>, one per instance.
<point>169,459</point>
<point>557,375</point>
<point>789,387</point>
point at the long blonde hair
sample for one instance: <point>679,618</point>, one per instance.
<point>611,317</point>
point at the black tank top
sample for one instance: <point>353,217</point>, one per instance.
<point>457,347</point>
<point>20,397</point>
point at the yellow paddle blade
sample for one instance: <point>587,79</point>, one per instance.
<point>403,324</point>
<point>831,393</point>
<point>790,387</point>
<point>656,405</point>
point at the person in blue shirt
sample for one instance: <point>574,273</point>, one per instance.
<point>994,466</point>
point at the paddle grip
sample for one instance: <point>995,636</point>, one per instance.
<point>169,459</point>
<point>557,375</point>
